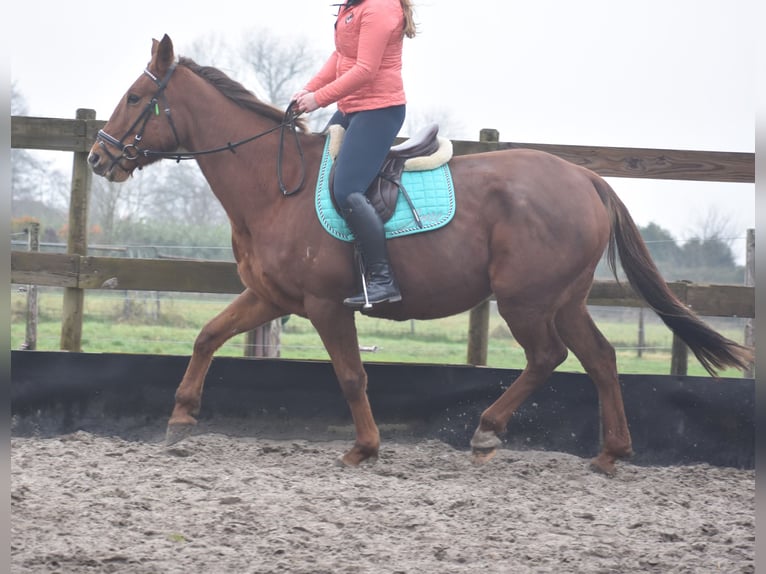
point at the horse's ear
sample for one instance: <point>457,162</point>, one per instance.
<point>162,54</point>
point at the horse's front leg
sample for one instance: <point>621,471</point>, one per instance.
<point>245,313</point>
<point>335,324</point>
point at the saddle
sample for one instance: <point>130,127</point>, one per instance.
<point>384,190</point>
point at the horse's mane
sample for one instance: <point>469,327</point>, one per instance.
<point>235,91</point>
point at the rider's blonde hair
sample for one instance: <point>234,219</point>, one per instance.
<point>409,23</point>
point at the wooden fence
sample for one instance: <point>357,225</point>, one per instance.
<point>76,272</point>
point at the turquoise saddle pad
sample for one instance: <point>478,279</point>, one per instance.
<point>431,192</point>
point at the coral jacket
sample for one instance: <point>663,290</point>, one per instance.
<point>365,70</point>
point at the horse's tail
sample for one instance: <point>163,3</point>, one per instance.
<point>713,351</point>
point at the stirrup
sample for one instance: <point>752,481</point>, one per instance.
<point>367,304</point>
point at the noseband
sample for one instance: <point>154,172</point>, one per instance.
<point>131,151</point>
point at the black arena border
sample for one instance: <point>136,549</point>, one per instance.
<point>673,420</point>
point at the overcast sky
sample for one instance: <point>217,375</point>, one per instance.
<point>675,74</point>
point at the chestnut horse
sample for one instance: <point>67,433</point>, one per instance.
<point>529,228</point>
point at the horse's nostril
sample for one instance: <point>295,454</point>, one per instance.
<point>93,158</point>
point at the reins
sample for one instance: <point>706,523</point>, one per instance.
<point>132,152</point>
<point>289,120</point>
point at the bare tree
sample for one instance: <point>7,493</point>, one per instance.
<point>18,101</point>
<point>449,126</point>
<point>280,66</point>
<point>112,204</point>
<point>37,188</point>
<point>715,226</point>
<point>708,256</point>
<point>215,50</point>
<point>182,193</point>
<point>25,169</point>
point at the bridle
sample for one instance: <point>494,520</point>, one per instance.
<point>133,151</point>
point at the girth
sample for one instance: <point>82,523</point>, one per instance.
<point>384,190</point>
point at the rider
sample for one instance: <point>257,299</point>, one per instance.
<point>364,77</point>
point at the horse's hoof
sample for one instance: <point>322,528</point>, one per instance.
<point>355,457</point>
<point>485,440</point>
<point>176,432</point>
<point>344,461</point>
<point>603,465</point>
<point>483,455</point>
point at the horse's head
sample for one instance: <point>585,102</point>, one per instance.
<point>141,123</point>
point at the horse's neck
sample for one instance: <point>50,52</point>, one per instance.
<point>243,178</point>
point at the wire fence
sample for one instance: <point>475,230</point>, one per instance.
<point>168,323</point>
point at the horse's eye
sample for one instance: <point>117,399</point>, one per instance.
<point>133,99</point>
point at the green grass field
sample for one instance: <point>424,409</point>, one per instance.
<point>142,323</point>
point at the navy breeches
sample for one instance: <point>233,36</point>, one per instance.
<point>369,136</point>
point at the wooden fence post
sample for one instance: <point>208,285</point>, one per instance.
<point>679,358</point>
<point>478,334</point>
<point>750,282</point>
<point>77,244</point>
<point>478,321</point>
<point>265,340</point>
<point>30,340</point>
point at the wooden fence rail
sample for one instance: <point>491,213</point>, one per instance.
<point>78,136</point>
<point>79,272</point>
<point>76,272</point>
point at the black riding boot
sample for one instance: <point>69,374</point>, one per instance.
<point>367,228</point>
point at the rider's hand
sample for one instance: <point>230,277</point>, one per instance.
<point>298,94</point>
<point>307,102</point>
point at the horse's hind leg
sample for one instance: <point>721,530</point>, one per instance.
<point>579,332</point>
<point>245,313</point>
<point>536,333</point>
